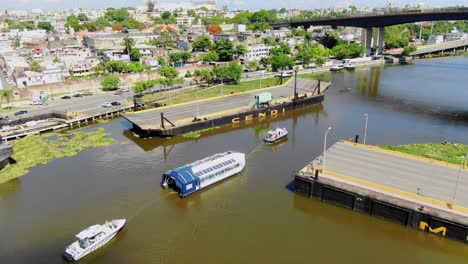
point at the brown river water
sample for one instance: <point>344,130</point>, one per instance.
<point>252,217</point>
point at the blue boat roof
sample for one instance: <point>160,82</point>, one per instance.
<point>185,179</point>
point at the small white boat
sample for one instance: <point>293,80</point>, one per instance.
<point>349,66</point>
<point>93,238</point>
<point>203,173</point>
<point>276,135</point>
<point>337,67</point>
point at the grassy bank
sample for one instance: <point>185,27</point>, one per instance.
<point>452,153</point>
<point>37,150</point>
<point>182,95</point>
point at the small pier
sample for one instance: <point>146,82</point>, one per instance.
<point>223,110</point>
<point>50,122</point>
<point>425,194</point>
<point>5,154</point>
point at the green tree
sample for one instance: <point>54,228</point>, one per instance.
<point>228,74</point>
<point>136,67</point>
<point>72,21</point>
<point>116,15</point>
<point>242,18</point>
<point>183,56</point>
<point>241,50</point>
<point>110,83</point>
<point>281,48</point>
<point>16,42</point>
<point>351,50</point>
<point>202,43</point>
<point>135,54</point>
<point>331,39</point>
<point>408,49</point>
<point>166,15</point>
<point>131,23</point>
<point>305,55</point>
<point>128,44</point>
<point>281,61</point>
<point>210,57</point>
<point>252,65</point>
<point>116,66</point>
<point>397,36</point>
<point>265,61</point>
<point>225,49</point>
<point>267,16</point>
<point>82,17</point>
<point>6,94</point>
<point>168,72</point>
<point>162,61</point>
<point>35,66</point>
<point>46,26</point>
<point>259,26</point>
<point>101,23</point>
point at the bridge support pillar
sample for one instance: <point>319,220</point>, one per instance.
<point>366,40</point>
<point>380,40</point>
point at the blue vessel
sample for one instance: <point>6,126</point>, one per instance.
<point>200,174</point>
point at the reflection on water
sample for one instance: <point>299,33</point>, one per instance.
<point>259,127</point>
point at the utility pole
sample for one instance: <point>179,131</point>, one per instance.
<point>458,181</point>
<point>295,84</point>
<point>325,148</point>
<point>365,128</point>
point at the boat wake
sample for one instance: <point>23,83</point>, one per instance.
<point>142,208</point>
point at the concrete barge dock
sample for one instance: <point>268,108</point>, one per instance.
<point>425,194</point>
<point>223,110</point>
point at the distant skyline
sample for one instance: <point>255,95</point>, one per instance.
<point>232,4</point>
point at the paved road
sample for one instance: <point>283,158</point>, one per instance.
<point>410,175</point>
<point>85,104</point>
<point>151,119</point>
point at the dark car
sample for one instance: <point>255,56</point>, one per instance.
<point>4,120</point>
<point>118,92</point>
<point>21,112</point>
<point>87,94</point>
<point>65,97</point>
<point>115,103</point>
<point>77,95</point>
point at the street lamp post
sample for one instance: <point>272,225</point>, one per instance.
<point>458,180</point>
<point>325,148</point>
<point>196,98</point>
<point>365,128</point>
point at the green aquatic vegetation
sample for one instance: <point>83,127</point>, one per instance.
<point>37,150</point>
<point>197,134</point>
<point>193,134</point>
<point>452,153</point>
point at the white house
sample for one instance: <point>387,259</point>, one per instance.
<point>256,52</point>
<point>436,39</point>
<point>186,21</point>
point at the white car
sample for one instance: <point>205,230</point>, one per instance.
<point>36,102</point>
<point>106,105</point>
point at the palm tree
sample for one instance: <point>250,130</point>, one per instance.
<point>7,95</point>
<point>128,43</point>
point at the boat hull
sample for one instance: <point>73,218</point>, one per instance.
<point>98,244</point>
<point>269,141</point>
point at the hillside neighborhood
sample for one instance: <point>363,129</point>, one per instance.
<point>38,47</point>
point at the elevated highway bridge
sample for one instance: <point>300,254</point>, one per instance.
<point>379,20</point>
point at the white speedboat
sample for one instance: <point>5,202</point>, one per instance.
<point>203,173</point>
<point>276,135</point>
<point>337,67</point>
<point>349,66</point>
<point>93,238</point>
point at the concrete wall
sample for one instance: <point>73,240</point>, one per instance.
<point>72,87</point>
